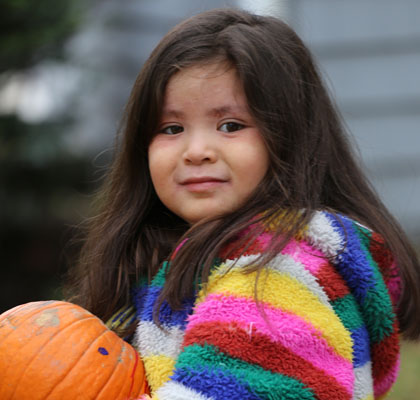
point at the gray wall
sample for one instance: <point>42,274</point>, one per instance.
<point>369,52</point>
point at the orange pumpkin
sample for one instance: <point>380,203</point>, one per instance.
<point>57,350</point>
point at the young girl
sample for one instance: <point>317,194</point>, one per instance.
<point>237,236</point>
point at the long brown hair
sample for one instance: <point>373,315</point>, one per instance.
<point>311,168</point>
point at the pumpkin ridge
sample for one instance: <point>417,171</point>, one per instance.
<point>45,344</point>
<point>110,376</point>
<point>132,393</point>
<point>70,369</point>
<point>133,371</point>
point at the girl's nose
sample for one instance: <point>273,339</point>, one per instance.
<point>199,148</point>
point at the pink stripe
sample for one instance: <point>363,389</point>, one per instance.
<point>394,284</point>
<point>301,251</point>
<point>285,328</point>
<point>264,240</point>
<point>177,248</point>
<point>305,254</point>
<point>385,384</point>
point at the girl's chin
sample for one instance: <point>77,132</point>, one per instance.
<point>207,211</point>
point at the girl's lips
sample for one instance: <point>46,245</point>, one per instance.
<point>202,184</point>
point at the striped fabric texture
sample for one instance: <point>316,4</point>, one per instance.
<point>322,325</point>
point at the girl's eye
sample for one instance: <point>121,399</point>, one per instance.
<point>229,127</point>
<point>172,130</point>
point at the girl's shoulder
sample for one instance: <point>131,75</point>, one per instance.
<point>327,232</point>
<point>330,245</point>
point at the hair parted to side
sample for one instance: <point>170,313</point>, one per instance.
<point>311,168</point>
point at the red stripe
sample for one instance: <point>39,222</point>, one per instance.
<point>332,282</point>
<point>385,355</point>
<point>381,254</point>
<point>232,251</point>
<point>258,349</point>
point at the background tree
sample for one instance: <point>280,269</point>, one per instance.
<point>40,180</point>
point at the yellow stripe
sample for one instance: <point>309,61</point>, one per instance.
<point>370,397</point>
<point>158,369</point>
<point>282,218</point>
<point>286,293</point>
<point>127,312</point>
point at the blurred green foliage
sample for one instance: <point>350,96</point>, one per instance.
<point>38,176</point>
<point>31,31</point>
<point>41,182</point>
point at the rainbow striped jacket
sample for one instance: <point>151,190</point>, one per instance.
<point>324,325</point>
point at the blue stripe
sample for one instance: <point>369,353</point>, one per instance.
<point>119,315</point>
<point>361,346</point>
<point>145,299</point>
<point>364,279</point>
<point>167,316</point>
<point>352,262</point>
<point>138,296</point>
<point>148,303</point>
<point>131,320</point>
<point>220,385</point>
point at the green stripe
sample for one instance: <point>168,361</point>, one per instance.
<point>263,383</point>
<point>348,311</point>
<point>364,234</point>
<point>377,307</point>
<point>159,279</point>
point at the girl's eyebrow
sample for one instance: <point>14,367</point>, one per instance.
<point>228,109</point>
<point>217,111</point>
<point>172,113</point>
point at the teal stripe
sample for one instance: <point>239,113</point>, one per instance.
<point>159,279</point>
<point>363,234</point>
<point>263,383</point>
<point>348,311</point>
<point>377,306</point>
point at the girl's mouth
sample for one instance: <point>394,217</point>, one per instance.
<point>202,183</point>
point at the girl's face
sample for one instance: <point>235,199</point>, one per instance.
<point>207,155</point>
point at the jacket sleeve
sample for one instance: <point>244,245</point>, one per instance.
<point>368,309</point>
<point>377,290</point>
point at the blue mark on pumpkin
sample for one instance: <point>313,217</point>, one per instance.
<point>103,351</point>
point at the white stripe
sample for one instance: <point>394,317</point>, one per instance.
<point>363,382</point>
<point>151,340</point>
<point>321,234</point>
<point>177,391</point>
<point>285,264</point>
